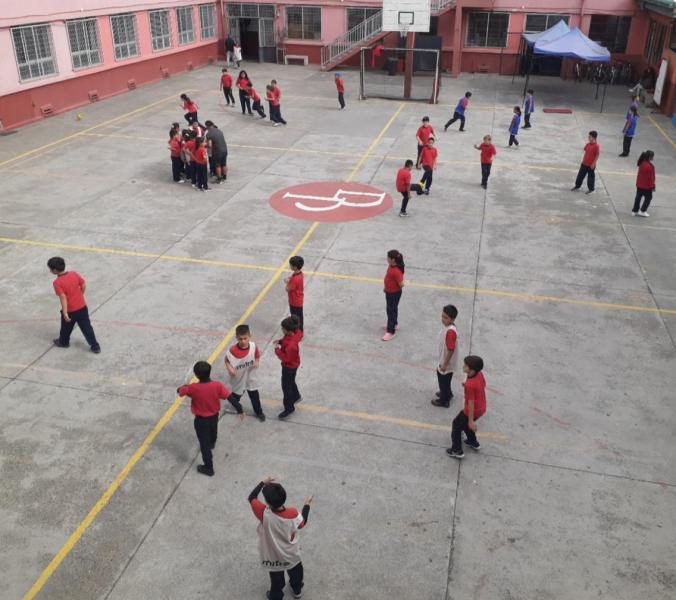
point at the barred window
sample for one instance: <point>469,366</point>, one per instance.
<point>610,31</point>
<point>487,29</point>
<point>186,31</point>
<point>85,49</point>
<point>304,22</point>
<point>124,36</point>
<point>207,22</point>
<point>537,22</point>
<point>657,38</point>
<point>34,51</point>
<point>159,29</point>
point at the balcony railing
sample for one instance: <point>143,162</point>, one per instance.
<point>342,45</point>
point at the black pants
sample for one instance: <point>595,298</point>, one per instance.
<point>259,109</point>
<point>176,167</point>
<point>201,176</point>
<point>277,581</point>
<point>276,114</point>
<point>445,393</point>
<point>485,173</point>
<point>456,116</point>
<point>526,118</point>
<point>289,387</point>
<point>191,117</point>
<point>406,196</point>
<point>460,424</point>
<point>298,311</point>
<point>589,173</point>
<point>417,160</point>
<point>341,99</point>
<point>190,172</point>
<point>647,196</point>
<point>426,179</point>
<point>245,102</point>
<point>513,140</point>
<point>626,145</point>
<point>392,304</point>
<point>229,98</point>
<point>81,318</point>
<point>212,165</point>
<point>254,396</point>
<point>206,429</point>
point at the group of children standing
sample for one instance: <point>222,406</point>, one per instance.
<point>250,99</point>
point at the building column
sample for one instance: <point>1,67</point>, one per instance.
<point>457,40</point>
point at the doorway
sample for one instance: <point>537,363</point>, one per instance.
<point>253,26</point>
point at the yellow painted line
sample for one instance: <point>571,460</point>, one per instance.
<point>665,135</point>
<point>166,417</point>
<point>131,113</point>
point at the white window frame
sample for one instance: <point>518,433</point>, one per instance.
<point>549,17</point>
<point>161,41</point>
<point>488,25</point>
<point>39,62</point>
<point>303,8</point>
<point>128,23</point>
<point>207,29</point>
<point>186,35</point>
<point>88,50</point>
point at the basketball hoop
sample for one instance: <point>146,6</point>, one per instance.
<point>403,31</point>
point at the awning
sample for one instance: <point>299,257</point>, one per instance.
<point>554,32</point>
<point>574,44</point>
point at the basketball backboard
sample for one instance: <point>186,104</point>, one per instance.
<point>406,15</point>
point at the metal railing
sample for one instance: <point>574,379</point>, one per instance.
<point>438,5</point>
<point>353,38</point>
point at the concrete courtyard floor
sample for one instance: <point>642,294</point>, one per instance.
<point>570,301</point>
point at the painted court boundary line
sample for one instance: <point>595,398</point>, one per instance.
<point>166,417</point>
<point>525,296</point>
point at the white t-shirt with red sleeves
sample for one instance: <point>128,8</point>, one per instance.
<point>242,361</point>
<point>277,539</point>
<point>448,340</point>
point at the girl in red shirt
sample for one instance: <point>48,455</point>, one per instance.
<point>394,282</point>
<point>199,157</point>
<point>175,150</point>
<point>191,109</point>
<point>244,99</point>
<point>645,183</point>
<point>256,100</point>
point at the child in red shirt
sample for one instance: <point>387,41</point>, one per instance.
<point>428,159</point>
<point>175,150</point>
<point>288,352</point>
<point>276,104</point>
<point>645,184</point>
<point>295,285</point>
<point>205,403</point>
<point>422,136</point>
<point>188,147</point>
<point>226,86</point>
<point>588,166</point>
<point>393,284</point>
<point>244,100</point>
<point>488,152</point>
<point>190,108</point>
<point>199,158</point>
<point>475,407</point>
<point>256,100</point>
<point>404,186</point>
<point>70,289</point>
<point>340,86</point>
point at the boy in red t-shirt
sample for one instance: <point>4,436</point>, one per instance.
<point>404,186</point>
<point>340,86</point>
<point>428,160</point>
<point>588,166</point>
<point>226,86</point>
<point>295,288</point>
<point>256,99</point>
<point>288,352</point>
<point>70,289</point>
<point>276,103</point>
<point>422,136</point>
<point>205,403</point>
<point>488,152</point>
<point>475,407</point>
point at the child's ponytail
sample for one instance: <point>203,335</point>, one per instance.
<point>398,259</point>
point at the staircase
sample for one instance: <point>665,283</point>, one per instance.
<point>365,34</point>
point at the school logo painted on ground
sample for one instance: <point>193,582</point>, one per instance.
<point>332,201</point>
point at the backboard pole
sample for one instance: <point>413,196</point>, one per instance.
<point>408,68</point>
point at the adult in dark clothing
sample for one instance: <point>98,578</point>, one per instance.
<point>219,150</point>
<point>229,51</point>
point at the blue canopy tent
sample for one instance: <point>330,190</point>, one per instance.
<point>528,40</point>
<point>573,44</point>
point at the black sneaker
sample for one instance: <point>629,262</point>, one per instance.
<point>205,470</point>
<point>426,192</point>
<point>300,399</point>
<point>574,189</point>
<point>589,192</point>
<point>473,445</point>
<point>261,417</point>
<point>285,413</point>
<point>455,453</point>
<point>437,402</point>
<point>297,594</point>
<point>96,349</point>
<point>58,344</point>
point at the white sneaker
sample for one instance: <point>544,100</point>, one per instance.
<point>634,214</point>
<point>181,181</point>
<point>276,124</point>
<point>643,214</point>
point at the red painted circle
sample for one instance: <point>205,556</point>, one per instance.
<point>331,201</point>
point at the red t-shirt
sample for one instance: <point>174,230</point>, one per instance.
<point>475,389</point>
<point>254,96</point>
<point>393,278</point>
<point>403,180</point>
<point>190,106</point>
<point>226,80</point>
<point>488,151</point>
<point>205,397</point>
<point>70,284</point>
<point>428,156</point>
<point>289,351</point>
<point>200,155</point>
<point>272,97</point>
<point>340,86</point>
<point>296,290</point>
<point>591,154</point>
<point>278,95</point>
<point>645,179</point>
<point>241,83</point>
<point>188,148</point>
<point>424,133</point>
<point>175,146</point>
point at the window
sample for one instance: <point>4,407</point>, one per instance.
<point>536,22</point>
<point>85,50</point>
<point>124,36</point>
<point>186,31</point>
<point>159,29</point>
<point>355,16</point>
<point>487,30</point>
<point>207,22</point>
<point>611,32</point>
<point>33,49</point>
<point>657,38</point>
<point>304,22</point>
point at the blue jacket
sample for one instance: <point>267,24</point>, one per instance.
<point>630,126</point>
<point>462,103</point>
<point>514,125</point>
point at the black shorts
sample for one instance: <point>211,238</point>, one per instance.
<point>221,160</point>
